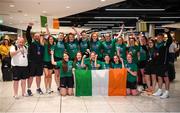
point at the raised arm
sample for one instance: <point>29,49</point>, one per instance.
<point>119,34</point>
<point>52,58</point>
<point>28,33</point>
<point>47,30</point>
<point>122,61</point>
<point>78,34</point>
<point>169,40</point>
<point>82,61</point>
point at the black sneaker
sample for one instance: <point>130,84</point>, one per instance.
<point>39,91</point>
<point>29,93</point>
<point>58,89</point>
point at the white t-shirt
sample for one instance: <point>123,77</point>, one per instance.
<point>172,47</point>
<point>20,59</point>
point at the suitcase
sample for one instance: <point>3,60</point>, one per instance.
<point>7,73</point>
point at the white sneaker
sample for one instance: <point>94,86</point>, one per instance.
<point>16,97</point>
<point>50,91</point>
<point>25,95</point>
<point>165,95</point>
<point>158,92</point>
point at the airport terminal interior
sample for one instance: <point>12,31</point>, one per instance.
<point>113,72</point>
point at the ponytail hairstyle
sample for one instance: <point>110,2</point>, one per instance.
<point>64,64</point>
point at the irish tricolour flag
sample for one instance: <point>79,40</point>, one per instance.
<point>111,82</point>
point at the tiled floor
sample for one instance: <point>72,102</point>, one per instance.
<point>56,104</point>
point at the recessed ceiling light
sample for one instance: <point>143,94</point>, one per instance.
<point>103,0</point>
<point>154,22</point>
<point>11,5</point>
<point>44,11</point>
<point>1,21</point>
<point>25,14</point>
<point>115,17</point>
<point>170,17</point>
<point>67,7</point>
<point>134,9</point>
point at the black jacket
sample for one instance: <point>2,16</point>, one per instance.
<point>163,51</point>
<point>35,51</point>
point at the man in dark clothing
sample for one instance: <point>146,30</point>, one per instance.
<point>35,56</point>
<point>162,64</point>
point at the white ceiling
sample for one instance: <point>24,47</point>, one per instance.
<point>25,11</point>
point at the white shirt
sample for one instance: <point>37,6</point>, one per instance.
<point>20,59</point>
<point>172,47</point>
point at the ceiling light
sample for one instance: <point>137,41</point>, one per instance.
<point>116,17</point>
<point>99,24</point>
<point>170,17</point>
<point>134,9</point>
<point>127,27</point>
<point>1,21</point>
<point>154,22</point>
<point>25,14</point>
<point>158,28</point>
<point>65,21</point>
<point>105,22</point>
<point>103,0</point>
<point>102,27</point>
<point>44,11</point>
<point>67,7</point>
<point>11,5</point>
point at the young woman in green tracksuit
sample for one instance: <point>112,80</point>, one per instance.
<point>106,64</point>
<point>96,45</point>
<point>134,50</point>
<point>58,50</point>
<point>120,48</point>
<point>72,46</point>
<point>142,59</point>
<point>48,67</point>
<point>79,61</point>
<point>108,46</point>
<point>83,42</point>
<point>118,62</point>
<point>66,75</point>
<point>92,63</point>
<point>131,76</point>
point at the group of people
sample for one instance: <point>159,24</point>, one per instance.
<point>64,54</point>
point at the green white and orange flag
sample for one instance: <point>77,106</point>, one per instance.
<point>110,82</point>
<point>43,21</point>
<point>55,23</point>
